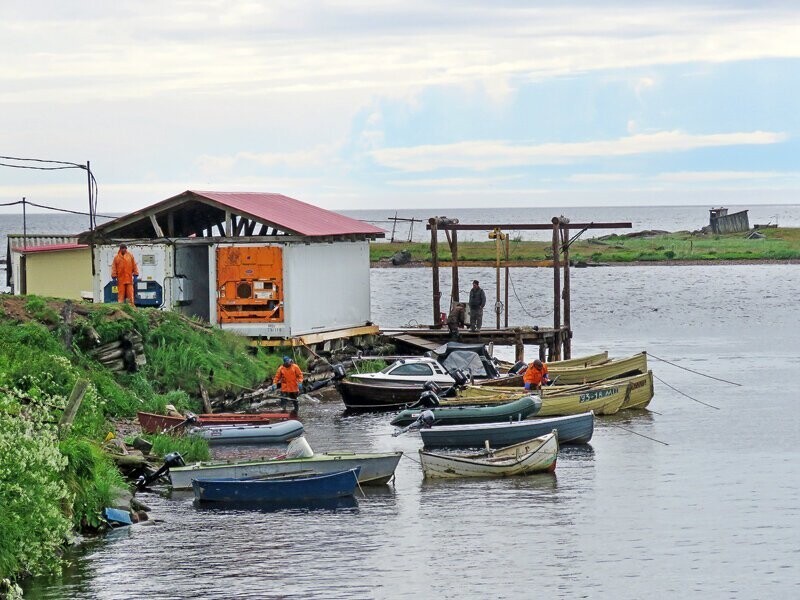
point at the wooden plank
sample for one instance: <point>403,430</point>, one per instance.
<point>419,342</point>
<point>73,404</point>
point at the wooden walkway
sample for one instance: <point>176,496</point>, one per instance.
<point>420,339</point>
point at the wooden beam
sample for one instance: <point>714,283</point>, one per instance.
<point>228,224</point>
<point>156,226</point>
<point>527,226</point>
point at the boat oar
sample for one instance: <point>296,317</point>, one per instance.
<point>189,420</point>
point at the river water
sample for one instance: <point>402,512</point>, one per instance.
<point>713,514</point>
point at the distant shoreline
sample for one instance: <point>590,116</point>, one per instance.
<point>385,264</point>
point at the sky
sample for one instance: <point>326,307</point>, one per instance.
<point>357,104</point>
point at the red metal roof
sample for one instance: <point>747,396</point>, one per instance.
<point>50,248</point>
<point>291,214</point>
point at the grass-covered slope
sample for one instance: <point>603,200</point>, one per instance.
<point>52,482</point>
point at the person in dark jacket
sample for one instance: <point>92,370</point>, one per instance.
<point>456,319</point>
<point>477,300</point>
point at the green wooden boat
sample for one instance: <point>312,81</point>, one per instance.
<point>461,415</point>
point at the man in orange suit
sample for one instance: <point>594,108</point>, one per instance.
<point>536,375</point>
<point>124,273</point>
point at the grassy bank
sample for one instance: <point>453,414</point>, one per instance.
<point>53,482</point>
<point>779,244</point>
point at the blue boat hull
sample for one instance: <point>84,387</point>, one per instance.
<point>295,489</point>
<point>574,429</point>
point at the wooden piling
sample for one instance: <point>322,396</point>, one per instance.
<point>437,308</point>
<point>73,404</point>
<point>566,341</point>
<point>555,351</point>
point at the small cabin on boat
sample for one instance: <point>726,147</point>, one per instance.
<point>260,264</point>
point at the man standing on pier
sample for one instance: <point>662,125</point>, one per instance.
<point>477,300</point>
<point>124,273</point>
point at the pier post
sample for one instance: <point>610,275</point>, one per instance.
<point>519,347</point>
<point>437,309</point>
<point>454,252</point>
<point>555,350</point>
<point>567,337</point>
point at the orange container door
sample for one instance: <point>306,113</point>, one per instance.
<point>250,284</point>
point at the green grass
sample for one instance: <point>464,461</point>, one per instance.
<point>191,448</point>
<point>780,244</point>
<point>50,485</point>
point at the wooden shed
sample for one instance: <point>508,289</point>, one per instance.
<point>261,264</point>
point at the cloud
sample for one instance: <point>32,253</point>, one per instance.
<point>701,176</point>
<point>450,182</point>
<point>492,154</point>
<point>601,177</point>
<point>317,156</point>
<point>243,48</point>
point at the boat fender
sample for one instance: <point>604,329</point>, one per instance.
<point>299,448</point>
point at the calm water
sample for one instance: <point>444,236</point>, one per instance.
<point>715,514</point>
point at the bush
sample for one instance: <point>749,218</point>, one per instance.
<point>32,524</point>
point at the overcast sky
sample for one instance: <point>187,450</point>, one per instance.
<point>367,104</point>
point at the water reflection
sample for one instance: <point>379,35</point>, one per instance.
<point>298,507</point>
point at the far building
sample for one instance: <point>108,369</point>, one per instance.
<point>49,265</point>
<point>260,264</point>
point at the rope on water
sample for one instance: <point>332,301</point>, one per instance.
<point>693,371</point>
<point>360,489</point>
<point>637,433</point>
<point>411,459</point>
<point>685,394</point>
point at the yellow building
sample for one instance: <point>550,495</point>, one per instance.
<point>60,270</point>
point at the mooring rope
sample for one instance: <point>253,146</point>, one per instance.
<point>685,394</point>
<point>693,371</point>
<point>637,433</point>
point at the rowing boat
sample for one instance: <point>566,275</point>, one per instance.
<point>531,456</point>
<point>571,375</point>
<point>455,415</point>
<point>281,489</point>
<point>573,429</point>
<point>153,423</point>
<point>604,398</point>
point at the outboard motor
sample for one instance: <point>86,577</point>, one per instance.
<point>431,386</point>
<point>459,377</point>
<point>339,372</point>
<point>427,399</point>
<point>518,368</point>
<point>173,459</point>
<point>426,419</point>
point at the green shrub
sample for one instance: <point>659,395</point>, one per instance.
<point>91,478</point>
<point>32,523</point>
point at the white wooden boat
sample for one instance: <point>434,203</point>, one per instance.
<point>250,434</point>
<point>532,456</point>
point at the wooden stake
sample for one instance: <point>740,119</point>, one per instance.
<point>73,404</point>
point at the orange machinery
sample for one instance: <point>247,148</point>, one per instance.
<point>250,284</point>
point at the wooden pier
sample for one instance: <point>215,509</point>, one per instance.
<point>554,342</point>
